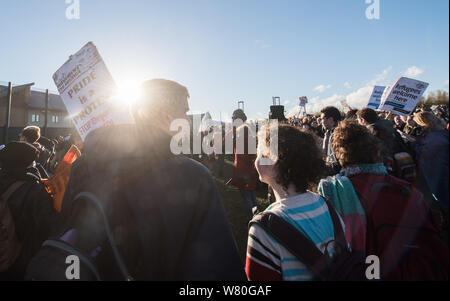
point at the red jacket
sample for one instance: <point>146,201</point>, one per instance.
<point>244,173</point>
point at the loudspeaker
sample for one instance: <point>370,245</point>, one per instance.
<point>277,112</point>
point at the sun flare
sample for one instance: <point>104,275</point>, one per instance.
<point>127,93</point>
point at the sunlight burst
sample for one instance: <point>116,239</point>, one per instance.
<point>127,93</point>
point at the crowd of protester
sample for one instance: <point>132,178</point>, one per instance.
<point>364,183</point>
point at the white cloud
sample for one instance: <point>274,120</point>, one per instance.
<point>347,85</point>
<point>357,99</point>
<point>286,102</point>
<point>413,72</point>
<point>322,88</point>
<point>360,98</point>
<point>293,112</point>
<point>446,84</point>
<point>334,100</point>
<point>379,78</point>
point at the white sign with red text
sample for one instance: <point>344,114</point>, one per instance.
<point>86,88</point>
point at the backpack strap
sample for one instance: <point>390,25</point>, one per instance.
<point>13,188</point>
<point>61,245</point>
<point>294,241</point>
<point>298,244</point>
<point>91,198</point>
<point>339,234</point>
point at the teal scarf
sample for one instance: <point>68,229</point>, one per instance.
<point>340,193</point>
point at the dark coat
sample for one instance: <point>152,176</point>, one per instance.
<point>168,210</point>
<point>391,142</point>
<point>33,214</point>
<point>432,158</point>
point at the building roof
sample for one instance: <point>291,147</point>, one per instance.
<point>37,101</point>
<point>4,89</point>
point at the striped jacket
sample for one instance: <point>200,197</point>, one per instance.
<point>267,260</point>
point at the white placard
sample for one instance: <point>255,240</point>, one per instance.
<point>86,88</point>
<point>402,97</point>
<point>375,98</point>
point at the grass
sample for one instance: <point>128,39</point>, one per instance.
<point>234,204</point>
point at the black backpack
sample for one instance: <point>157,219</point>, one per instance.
<point>344,265</point>
<point>10,246</point>
<point>49,264</point>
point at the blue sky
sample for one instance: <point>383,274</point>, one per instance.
<point>230,50</point>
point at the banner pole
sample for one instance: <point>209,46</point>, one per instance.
<point>46,112</point>
<point>8,113</point>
